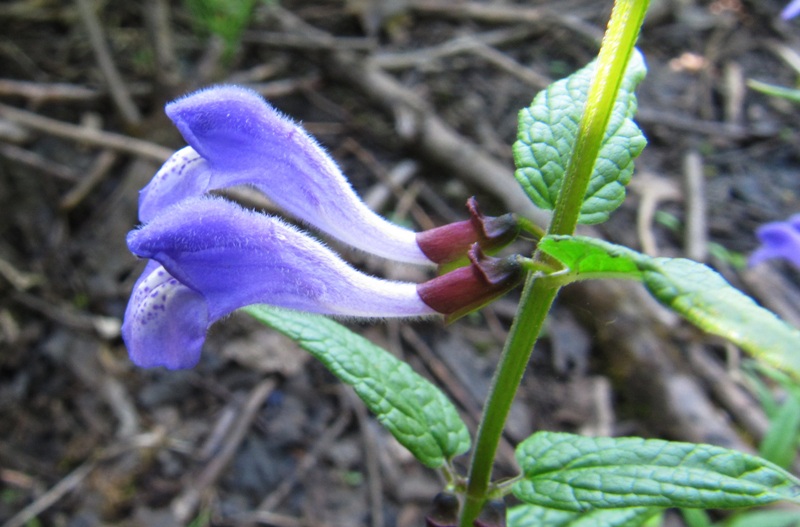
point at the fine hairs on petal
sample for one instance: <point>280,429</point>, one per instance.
<point>244,140</point>
<point>165,321</point>
<point>210,257</point>
<point>236,258</point>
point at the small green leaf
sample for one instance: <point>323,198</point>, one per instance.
<point>780,442</point>
<point>790,94</point>
<point>696,518</point>
<point>411,408</point>
<point>546,138</point>
<point>708,301</point>
<point>535,516</point>
<point>587,258</point>
<point>576,473</point>
<point>774,518</point>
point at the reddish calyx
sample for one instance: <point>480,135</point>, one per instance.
<point>469,288</point>
<point>450,242</point>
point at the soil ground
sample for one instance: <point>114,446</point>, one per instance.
<point>258,434</point>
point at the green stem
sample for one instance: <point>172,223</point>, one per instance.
<point>538,295</point>
<point>615,51</point>
<point>531,314</point>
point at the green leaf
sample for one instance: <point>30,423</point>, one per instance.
<point>415,411</point>
<point>592,258</point>
<point>535,516</point>
<point>696,518</point>
<point>576,473</point>
<point>692,289</point>
<point>780,442</point>
<point>774,518</point>
<point>708,301</point>
<point>546,138</point>
<point>790,94</point>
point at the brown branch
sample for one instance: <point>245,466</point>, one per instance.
<point>184,505</point>
<point>99,138</point>
<point>119,91</point>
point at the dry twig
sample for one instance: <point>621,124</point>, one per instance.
<point>309,460</point>
<point>117,87</point>
<point>696,233</point>
<point>83,134</point>
<point>96,174</point>
<point>184,505</point>
<point>38,162</point>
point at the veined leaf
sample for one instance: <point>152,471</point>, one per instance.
<point>535,516</point>
<point>780,443</point>
<point>547,133</point>
<point>708,301</point>
<point>692,289</point>
<point>576,473</point>
<point>768,518</point>
<point>415,411</point>
<point>587,258</point>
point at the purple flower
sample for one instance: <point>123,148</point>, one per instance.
<point>215,257</point>
<point>791,10</point>
<point>780,239</point>
<point>237,138</point>
<point>210,257</point>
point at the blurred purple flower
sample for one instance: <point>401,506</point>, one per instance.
<point>214,257</point>
<point>791,10</point>
<point>780,239</point>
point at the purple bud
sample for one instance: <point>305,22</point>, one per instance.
<point>444,512</point>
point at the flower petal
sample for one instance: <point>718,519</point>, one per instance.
<point>244,140</point>
<point>165,322</point>
<point>185,174</point>
<point>791,10</point>
<point>778,240</point>
<point>236,258</point>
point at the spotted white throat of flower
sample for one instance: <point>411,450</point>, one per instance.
<point>153,296</point>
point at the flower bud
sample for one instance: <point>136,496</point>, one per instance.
<point>469,288</point>
<point>444,512</point>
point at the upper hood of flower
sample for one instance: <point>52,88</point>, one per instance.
<point>237,138</point>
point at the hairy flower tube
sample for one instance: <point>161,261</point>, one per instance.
<point>235,137</point>
<point>215,257</point>
<point>210,257</point>
<point>781,240</point>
